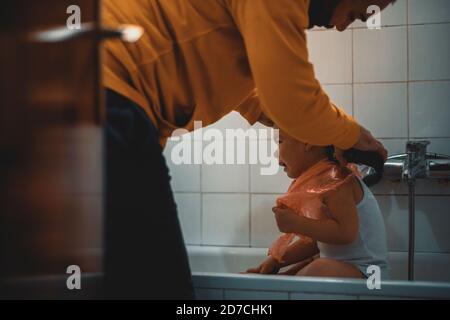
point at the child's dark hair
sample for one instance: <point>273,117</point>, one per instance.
<point>367,158</point>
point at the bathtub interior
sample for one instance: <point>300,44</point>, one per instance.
<point>216,274</point>
<point>236,260</point>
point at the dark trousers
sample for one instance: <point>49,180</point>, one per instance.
<point>145,256</point>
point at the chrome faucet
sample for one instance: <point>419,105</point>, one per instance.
<point>415,164</point>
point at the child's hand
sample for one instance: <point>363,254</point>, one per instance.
<point>286,219</point>
<point>269,266</point>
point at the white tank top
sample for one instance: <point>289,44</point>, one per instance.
<point>370,247</point>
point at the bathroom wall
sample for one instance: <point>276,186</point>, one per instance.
<point>396,82</point>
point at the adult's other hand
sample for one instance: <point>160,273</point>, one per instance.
<point>366,142</point>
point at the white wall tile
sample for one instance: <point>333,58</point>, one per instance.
<point>233,120</point>
<point>225,178</point>
<point>399,265</point>
<point>394,146</point>
<point>429,49</point>
<point>432,224</point>
<point>440,264</point>
<point>226,219</point>
<point>382,108</point>
<point>393,15</point>
<point>255,295</point>
<point>380,55</point>
<point>259,183</point>
<point>432,221</point>
<point>185,177</point>
<point>390,187</point>
<point>341,96</point>
<point>432,187</point>
<point>430,109</point>
<point>189,213</point>
<point>394,210</point>
<point>235,177</point>
<point>429,11</point>
<point>264,228</point>
<point>441,146</point>
<point>331,54</point>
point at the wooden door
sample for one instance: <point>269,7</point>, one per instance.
<point>50,152</point>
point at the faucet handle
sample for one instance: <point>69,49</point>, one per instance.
<point>418,147</point>
<point>415,165</point>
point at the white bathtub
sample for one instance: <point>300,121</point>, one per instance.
<point>216,276</point>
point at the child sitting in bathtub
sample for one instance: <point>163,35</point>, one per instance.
<point>332,223</point>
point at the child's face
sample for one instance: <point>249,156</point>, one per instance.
<point>294,156</point>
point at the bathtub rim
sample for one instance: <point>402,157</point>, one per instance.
<point>291,284</point>
<point>309,285</point>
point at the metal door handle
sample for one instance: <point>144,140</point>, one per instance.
<point>126,32</point>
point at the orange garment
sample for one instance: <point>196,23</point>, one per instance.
<point>201,59</point>
<point>305,197</point>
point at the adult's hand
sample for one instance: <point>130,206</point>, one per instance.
<point>366,142</point>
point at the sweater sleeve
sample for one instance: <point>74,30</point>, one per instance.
<point>250,108</point>
<point>289,93</point>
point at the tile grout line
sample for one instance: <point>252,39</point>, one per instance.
<point>201,206</point>
<point>249,197</point>
<point>353,73</point>
<point>408,74</point>
<point>249,220</point>
<point>384,82</point>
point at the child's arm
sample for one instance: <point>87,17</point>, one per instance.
<point>340,229</point>
<point>300,250</point>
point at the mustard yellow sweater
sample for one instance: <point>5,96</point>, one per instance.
<point>200,59</point>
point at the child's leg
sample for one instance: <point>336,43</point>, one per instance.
<point>324,267</point>
<point>296,267</point>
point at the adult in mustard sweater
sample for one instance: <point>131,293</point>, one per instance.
<point>198,60</point>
